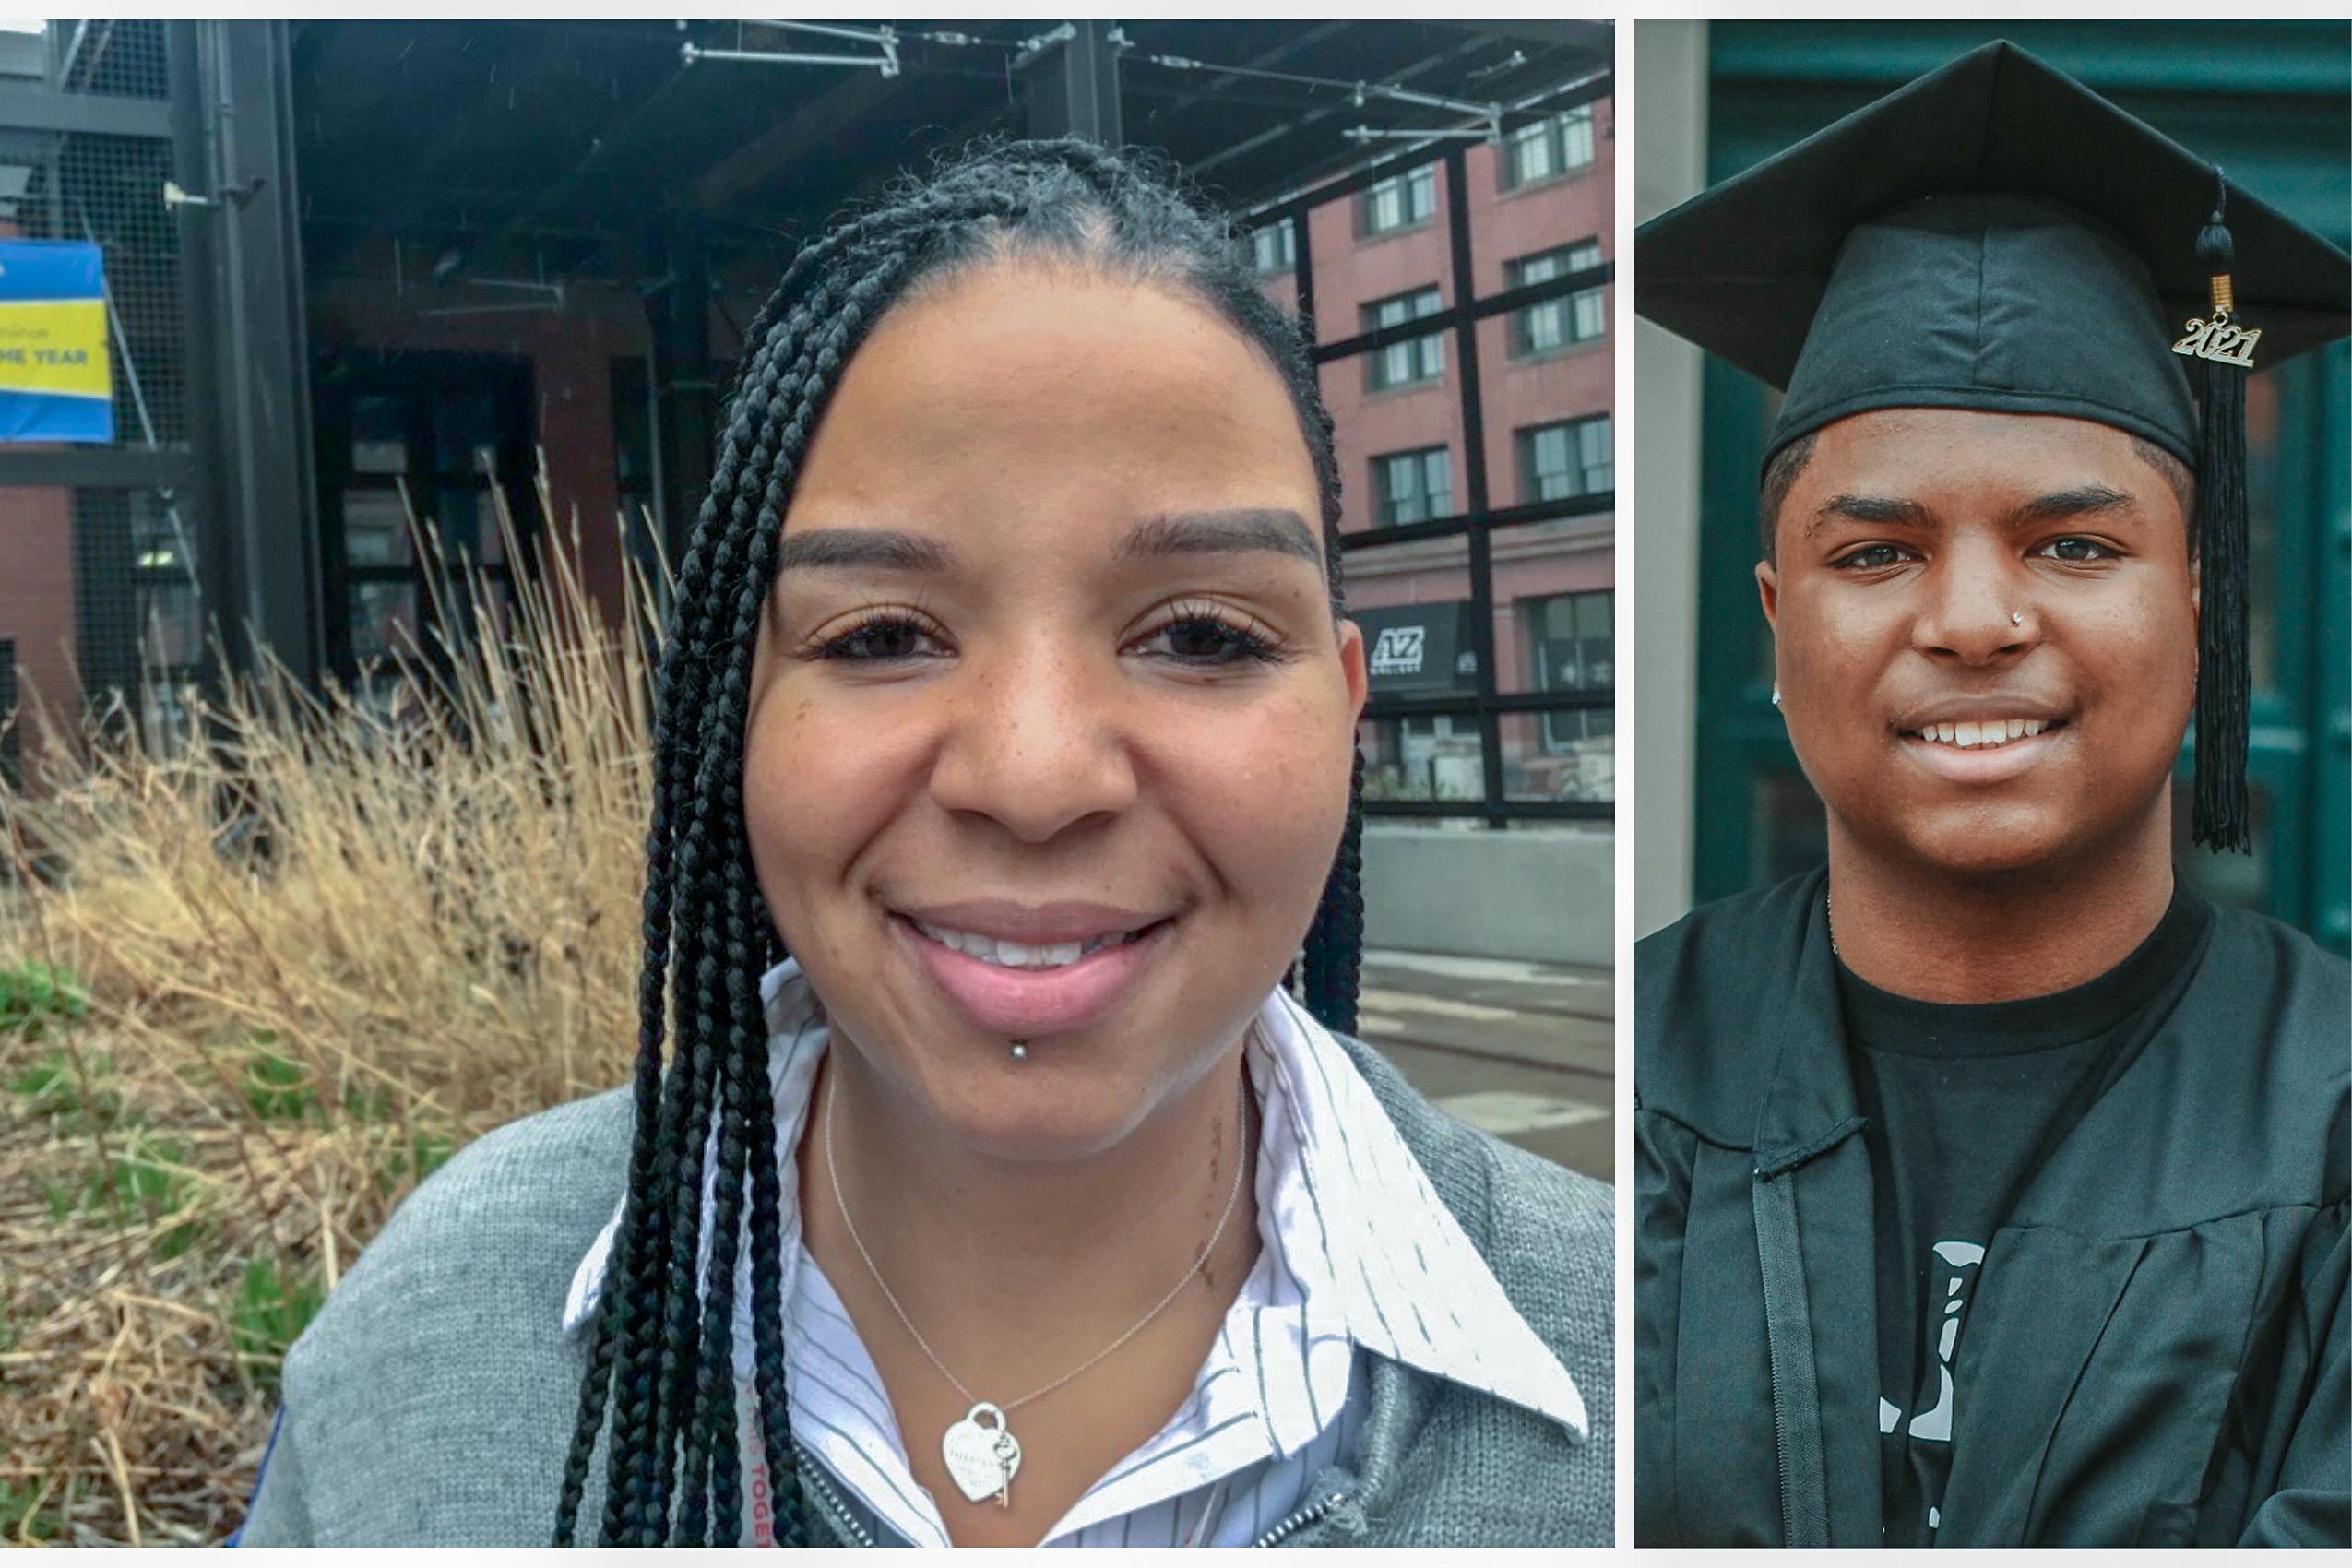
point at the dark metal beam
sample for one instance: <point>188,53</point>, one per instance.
<point>45,109</point>
<point>1481,548</point>
<point>1593,37</point>
<point>828,116</point>
<point>99,468</point>
<point>202,494</point>
<point>685,396</point>
<point>262,389</point>
<point>1073,86</point>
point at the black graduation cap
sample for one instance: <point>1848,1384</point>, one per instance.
<point>1996,235</point>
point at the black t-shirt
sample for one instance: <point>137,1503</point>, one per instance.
<point>1965,1103</point>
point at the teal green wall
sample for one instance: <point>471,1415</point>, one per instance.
<point>2267,101</point>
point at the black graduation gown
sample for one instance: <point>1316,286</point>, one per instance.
<point>2156,1351</point>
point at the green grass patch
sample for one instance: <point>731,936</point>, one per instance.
<point>183,1238</point>
<point>143,1181</point>
<point>275,1302</point>
<point>25,1514</point>
<point>367,1104</point>
<point>277,1087</point>
<point>48,1086</point>
<point>34,996</point>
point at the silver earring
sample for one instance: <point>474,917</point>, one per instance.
<point>1020,1051</point>
<point>1776,693</point>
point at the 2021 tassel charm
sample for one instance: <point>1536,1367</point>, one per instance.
<point>2224,354</point>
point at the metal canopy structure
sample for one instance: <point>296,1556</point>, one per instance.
<point>669,154</point>
<point>541,148</point>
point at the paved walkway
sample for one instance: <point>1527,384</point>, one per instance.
<point>1524,1050</point>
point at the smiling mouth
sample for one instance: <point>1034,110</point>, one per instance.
<point>1982,734</point>
<point>1029,954</point>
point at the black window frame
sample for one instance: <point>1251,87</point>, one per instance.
<point>1523,449</point>
<point>1423,505</point>
<point>1480,513</point>
<point>1418,185</point>
<point>1285,248</point>
<point>1426,350</point>
<point>414,381</point>
<point>1574,259</point>
<point>1555,135</point>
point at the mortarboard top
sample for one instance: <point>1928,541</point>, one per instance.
<point>1995,235</point>
<point>1742,269</point>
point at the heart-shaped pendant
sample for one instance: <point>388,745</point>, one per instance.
<point>982,1458</point>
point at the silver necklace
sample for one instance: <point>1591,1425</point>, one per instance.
<point>979,1451</point>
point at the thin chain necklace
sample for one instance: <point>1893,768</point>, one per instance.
<point>983,1456</point>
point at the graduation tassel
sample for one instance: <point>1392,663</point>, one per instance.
<point>2224,353</point>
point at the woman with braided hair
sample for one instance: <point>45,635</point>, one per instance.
<point>999,1168</point>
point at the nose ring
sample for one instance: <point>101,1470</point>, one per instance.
<point>2015,619</point>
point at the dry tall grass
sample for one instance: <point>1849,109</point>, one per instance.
<point>281,1013</point>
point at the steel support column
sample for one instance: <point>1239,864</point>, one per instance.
<point>1072,86</point>
<point>201,489</point>
<point>261,387</point>
<point>1481,548</point>
<point>684,392</point>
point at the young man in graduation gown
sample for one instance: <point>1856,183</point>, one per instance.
<point>1990,1182</point>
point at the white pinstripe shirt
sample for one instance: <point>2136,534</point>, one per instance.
<point>1357,1257</point>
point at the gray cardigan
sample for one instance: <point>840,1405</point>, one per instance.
<point>432,1402</point>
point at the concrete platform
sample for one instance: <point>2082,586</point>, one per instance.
<point>1526,1051</point>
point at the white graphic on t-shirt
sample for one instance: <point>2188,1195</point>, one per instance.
<point>1935,1424</point>
<point>1958,1276</point>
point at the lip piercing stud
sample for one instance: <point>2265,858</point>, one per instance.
<point>1020,1051</point>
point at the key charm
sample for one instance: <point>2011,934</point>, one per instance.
<point>1007,1451</point>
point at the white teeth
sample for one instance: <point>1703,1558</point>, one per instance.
<point>1018,954</point>
<point>1978,733</point>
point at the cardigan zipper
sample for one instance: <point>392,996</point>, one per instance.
<point>1301,1520</point>
<point>812,1475</point>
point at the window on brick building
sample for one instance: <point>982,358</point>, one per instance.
<point>1401,201</point>
<point>1573,458</point>
<point>1559,145</point>
<point>1275,248</point>
<point>1414,361</point>
<point>1412,487</point>
<point>1581,317</point>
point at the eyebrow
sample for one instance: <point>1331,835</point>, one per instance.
<point>1171,533</point>
<point>887,550</point>
<point>2081,500</point>
<point>2077,501</point>
<point>1870,509</point>
<point>1277,528</point>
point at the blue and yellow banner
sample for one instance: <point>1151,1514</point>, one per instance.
<point>56,378</point>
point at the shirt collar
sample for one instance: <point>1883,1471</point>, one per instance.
<point>1377,1258</point>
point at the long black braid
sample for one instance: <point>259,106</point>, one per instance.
<point>659,1394</point>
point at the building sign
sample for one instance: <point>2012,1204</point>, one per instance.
<point>1418,649</point>
<point>56,379</point>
